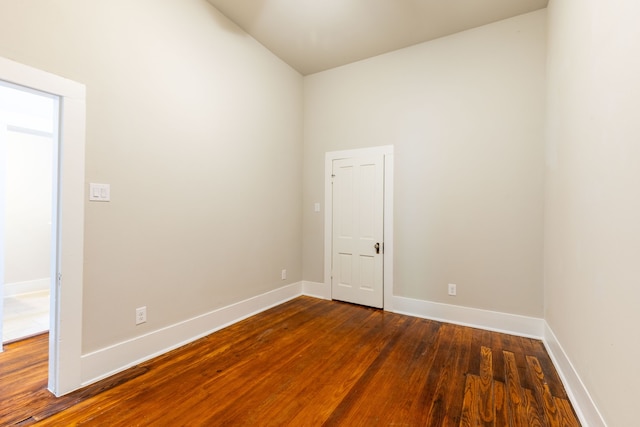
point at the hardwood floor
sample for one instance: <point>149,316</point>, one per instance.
<point>308,362</point>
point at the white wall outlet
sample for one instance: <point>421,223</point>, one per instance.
<point>283,274</point>
<point>452,289</point>
<point>141,315</point>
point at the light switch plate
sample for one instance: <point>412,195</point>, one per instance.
<point>99,192</point>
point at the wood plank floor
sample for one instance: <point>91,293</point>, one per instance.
<point>308,362</point>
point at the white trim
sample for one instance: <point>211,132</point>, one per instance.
<point>118,357</point>
<point>514,324</point>
<point>3,156</point>
<point>65,338</point>
<point>387,152</point>
<point>578,394</point>
<point>388,232</point>
<point>316,290</point>
<point>27,287</point>
<point>67,303</point>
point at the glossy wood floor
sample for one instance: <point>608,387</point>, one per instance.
<point>308,362</point>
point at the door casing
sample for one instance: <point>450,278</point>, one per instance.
<point>387,152</point>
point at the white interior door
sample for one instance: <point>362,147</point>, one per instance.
<point>358,227</point>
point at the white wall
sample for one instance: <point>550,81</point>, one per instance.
<point>27,208</point>
<point>198,129</point>
<point>592,227</point>
<point>465,114</point>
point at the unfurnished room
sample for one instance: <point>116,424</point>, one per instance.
<point>339,212</point>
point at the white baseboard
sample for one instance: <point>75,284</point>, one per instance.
<point>514,324</point>
<point>316,290</point>
<point>27,287</point>
<point>116,358</point>
<point>578,394</point>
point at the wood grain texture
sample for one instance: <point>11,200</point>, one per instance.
<point>515,392</point>
<point>308,362</point>
<point>486,394</point>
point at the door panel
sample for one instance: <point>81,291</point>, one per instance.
<point>358,203</point>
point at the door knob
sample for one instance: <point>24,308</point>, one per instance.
<point>377,246</point>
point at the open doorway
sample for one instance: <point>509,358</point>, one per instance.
<point>65,331</point>
<point>28,123</point>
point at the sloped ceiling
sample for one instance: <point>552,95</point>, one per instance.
<point>316,35</point>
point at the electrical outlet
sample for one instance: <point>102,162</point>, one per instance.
<point>283,274</point>
<point>141,315</point>
<point>452,289</point>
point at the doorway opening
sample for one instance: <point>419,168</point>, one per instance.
<point>67,221</point>
<point>28,149</point>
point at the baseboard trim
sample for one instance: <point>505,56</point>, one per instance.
<point>514,324</point>
<point>578,394</point>
<point>110,360</point>
<point>316,290</point>
<point>27,287</point>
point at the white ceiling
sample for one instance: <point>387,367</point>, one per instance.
<point>316,35</point>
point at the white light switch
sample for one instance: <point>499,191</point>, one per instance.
<point>316,207</point>
<point>99,192</point>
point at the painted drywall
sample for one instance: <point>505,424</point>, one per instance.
<point>465,114</point>
<point>27,208</point>
<point>198,129</point>
<point>592,231</point>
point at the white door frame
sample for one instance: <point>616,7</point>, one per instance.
<point>3,151</point>
<point>65,337</point>
<point>387,152</point>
